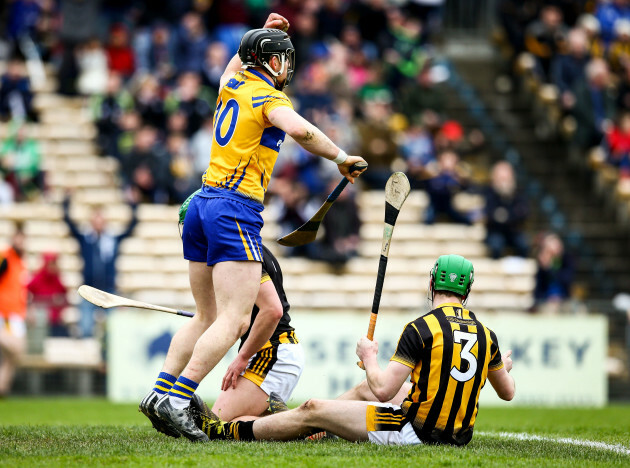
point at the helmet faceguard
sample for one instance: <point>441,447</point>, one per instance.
<point>257,48</point>
<point>452,273</point>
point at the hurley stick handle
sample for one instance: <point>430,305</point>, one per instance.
<point>370,334</point>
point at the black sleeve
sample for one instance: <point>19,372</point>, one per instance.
<point>496,362</point>
<point>410,346</point>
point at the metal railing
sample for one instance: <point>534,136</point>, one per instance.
<point>469,18</point>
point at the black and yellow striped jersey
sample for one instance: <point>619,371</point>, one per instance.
<point>271,271</point>
<point>450,353</point>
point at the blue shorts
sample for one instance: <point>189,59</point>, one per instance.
<point>221,230</point>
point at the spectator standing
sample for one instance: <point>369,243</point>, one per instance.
<point>192,42</point>
<point>48,291</point>
<point>554,276</point>
<point>594,104</point>
<point>505,210</point>
<point>99,250</point>
<point>79,21</point>
<point>13,300</point>
<point>93,71</point>
<point>568,69</point>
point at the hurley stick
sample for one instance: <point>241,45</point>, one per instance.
<point>307,232</point>
<point>396,192</point>
<point>107,301</point>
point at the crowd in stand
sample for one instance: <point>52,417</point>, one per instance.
<point>583,49</point>
<point>366,74</point>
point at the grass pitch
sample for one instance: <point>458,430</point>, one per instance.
<point>61,432</point>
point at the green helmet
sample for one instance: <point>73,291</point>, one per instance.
<point>184,208</point>
<point>452,273</point>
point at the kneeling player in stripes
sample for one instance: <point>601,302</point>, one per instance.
<point>448,353</point>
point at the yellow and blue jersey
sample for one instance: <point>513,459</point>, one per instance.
<point>245,144</point>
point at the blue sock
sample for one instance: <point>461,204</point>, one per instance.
<point>164,383</point>
<point>182,392</point>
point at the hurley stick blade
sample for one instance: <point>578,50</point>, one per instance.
<point>107,301</point>
<point>307,233</point>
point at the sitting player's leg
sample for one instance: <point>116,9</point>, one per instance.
<point>362,392</point>
<point>346,419</point>
<point>245,402</point>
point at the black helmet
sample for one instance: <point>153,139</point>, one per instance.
<point>259,45</point>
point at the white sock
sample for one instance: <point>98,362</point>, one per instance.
<point>177,402</point>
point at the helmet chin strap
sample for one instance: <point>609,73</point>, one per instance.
<point>274,74</point>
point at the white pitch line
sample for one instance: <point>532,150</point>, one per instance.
<point>617,448</point>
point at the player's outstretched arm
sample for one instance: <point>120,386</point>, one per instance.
<point>384,384</point>
<point>270,313</point>
<point>312,139</point>
<point>274,21</point>
<point>501,380</point>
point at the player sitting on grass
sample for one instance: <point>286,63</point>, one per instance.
<point>269,362</point>
<point>449,355</point>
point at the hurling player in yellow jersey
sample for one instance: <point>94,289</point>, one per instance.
<point>449,354</point>
<point>221,234</point>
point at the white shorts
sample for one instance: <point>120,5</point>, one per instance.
<point>277,369</point>
<point>14,325</point>
<point>386,425</point>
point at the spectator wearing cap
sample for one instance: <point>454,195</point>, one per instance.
<point>505,212</point>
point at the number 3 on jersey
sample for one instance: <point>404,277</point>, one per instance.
<point>231,108</point>
<point>469,340</point>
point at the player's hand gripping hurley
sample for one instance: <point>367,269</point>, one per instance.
<point>107,301</point>
<point>307,232</point>
<point>396,192</point>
